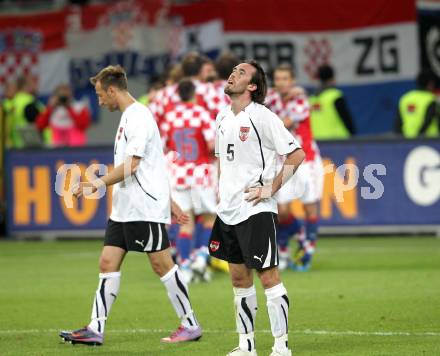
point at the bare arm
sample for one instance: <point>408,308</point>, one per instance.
<point>118,174</point>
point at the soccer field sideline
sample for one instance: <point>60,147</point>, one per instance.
<point>211,331</point>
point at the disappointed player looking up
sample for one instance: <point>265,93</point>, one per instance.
<point>248,138</point>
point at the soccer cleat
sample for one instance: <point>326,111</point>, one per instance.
<point>82,336</point>
<point>286,352</point>
<point>200,270</point>
<point>239,352</point>
<point>284,259</point>
<point>187,273</point>
<point>183,334</point>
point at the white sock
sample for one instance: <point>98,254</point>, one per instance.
<point>245,301</point>
<point>278,310</point>
<point>178,293</point>
<point>106,294</point>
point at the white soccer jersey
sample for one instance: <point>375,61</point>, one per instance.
<point>248,145</point>
<point>144,196</point>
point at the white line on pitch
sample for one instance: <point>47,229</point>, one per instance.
<point>306,331</point>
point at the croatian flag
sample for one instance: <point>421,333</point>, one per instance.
<point>34,45</point>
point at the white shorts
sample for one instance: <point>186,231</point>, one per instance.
<point>306,184</point>
<point>199,199</point>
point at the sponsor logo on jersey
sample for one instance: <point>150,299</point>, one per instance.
<point>244,133</point>
<point>214,246</point>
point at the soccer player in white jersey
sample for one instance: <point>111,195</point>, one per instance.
<point>290,103</point>
<point>248,139</point>
<point>140,210</point>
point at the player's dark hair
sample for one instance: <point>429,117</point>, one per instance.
<point>285,67</point>
<point>325,73</point>
<point>259,79</point>
<point>425,78</point>
<point>225,63</point>
<point>111,76</point>
<point>192,64</point>
<point>186,89</point>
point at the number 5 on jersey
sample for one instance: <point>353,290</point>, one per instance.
<point>230,152</point>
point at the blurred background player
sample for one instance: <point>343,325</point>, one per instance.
<point>205,94</point>
<point>67,118</point>
<point>417,112</point>
<point>330,118</point>
<point>189,130</point>
<point>290,103</point>
<point>191,66</point>
<point>208,73</point>
<point>224,65</point>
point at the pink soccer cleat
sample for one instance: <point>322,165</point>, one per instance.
<point>183,334</point>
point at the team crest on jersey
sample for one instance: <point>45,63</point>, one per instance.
<point>121,129</point>
<point>244,133</point>
<point>214,245</point>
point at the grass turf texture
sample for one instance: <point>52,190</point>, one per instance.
<point>365,285</point>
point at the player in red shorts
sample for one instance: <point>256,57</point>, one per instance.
<point>189,130</point>
<point>290,103</point>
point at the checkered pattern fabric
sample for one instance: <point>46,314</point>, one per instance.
<point>296,109</point>
<point>318,52</point>
<point>222,100</point>
<point>166,98</point>
<point>187,129</point>
<point>14,64</point>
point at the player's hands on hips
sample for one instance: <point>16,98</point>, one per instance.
<point>178,214</point>
<point>258,194</point>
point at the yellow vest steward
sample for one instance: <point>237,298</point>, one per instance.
<point>325,120</point>
<point>412,107</point>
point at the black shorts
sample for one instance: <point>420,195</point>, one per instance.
<point>140,236</point>
<point>252,242</point>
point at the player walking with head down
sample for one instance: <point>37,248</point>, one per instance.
<point>140,210</point>
<point>248,139</point>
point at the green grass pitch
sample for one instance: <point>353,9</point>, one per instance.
<point>364,296</point>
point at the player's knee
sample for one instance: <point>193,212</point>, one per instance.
<point>106,265</point>
<point>241,281</point>
<point>161,267</point>
<point>269,279</point>
<point>157,267</point>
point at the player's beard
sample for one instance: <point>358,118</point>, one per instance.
<point>231,92</point>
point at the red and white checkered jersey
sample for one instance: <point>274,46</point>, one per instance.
<point>166,98</point>
<point>296,109</point>
<point>187,129</point>
<point>224,99</point>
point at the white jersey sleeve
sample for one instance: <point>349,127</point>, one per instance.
<point>276,136</point>
<point>139,132</point>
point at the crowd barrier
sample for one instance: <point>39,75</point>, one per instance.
<point>369,186</point>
